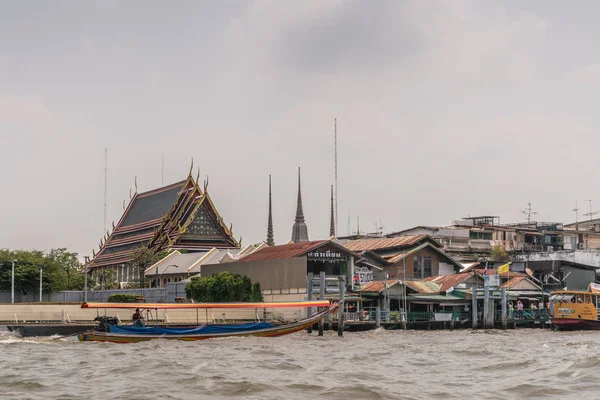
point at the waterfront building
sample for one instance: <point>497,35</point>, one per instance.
<point>406,257</point>
<point>177,266</point>
<point>180,216</point>
<point>283,269</point>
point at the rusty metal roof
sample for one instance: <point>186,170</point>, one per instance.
<point>448,281</point>
<point>512,281</point>
<point>283,251</point>
<point>423,287</point>
<point>386,243</point>
<point>378,286</point>
<point>291,250</point>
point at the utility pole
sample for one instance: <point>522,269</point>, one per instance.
<point>335,172</point>
<point>41,268</point>
<point>105,184</point>
<point>591,214</point>
<point>529,212</point>
<point>12,283</point>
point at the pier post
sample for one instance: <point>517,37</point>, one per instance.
<point>504,310</point>
<point>378,316</point>
<point>341,311</point>
<point>474,306</point>
<point>486,307</point>
<point>321,297</point>
<point>309,295</point>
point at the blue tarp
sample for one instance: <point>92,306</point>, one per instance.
<point>207,329</point>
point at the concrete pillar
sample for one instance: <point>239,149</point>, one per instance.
<point>309,294</point>
<point>341,312</point>
<point>474,306</point>
<point>378,316</point>
<point>321,297</point>
<point>504,309</point>
<point>486,306</point>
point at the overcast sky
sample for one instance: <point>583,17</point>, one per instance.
<point>445,109</point>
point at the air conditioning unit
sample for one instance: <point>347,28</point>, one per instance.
<point>581,246</point>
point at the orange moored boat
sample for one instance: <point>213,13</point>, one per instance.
<point>575,310</point>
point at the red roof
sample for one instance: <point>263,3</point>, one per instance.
<point>386,243</point>
<point>284,251</point>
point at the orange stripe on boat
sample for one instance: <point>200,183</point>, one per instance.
<point>171,306</point>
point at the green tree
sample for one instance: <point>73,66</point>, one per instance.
<point>219,287</point>
<point>498,253</point>
<point>143,257</point>
<point>256,295</point>
<point>61,270</point>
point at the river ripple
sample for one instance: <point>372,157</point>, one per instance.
<point>521,364</point>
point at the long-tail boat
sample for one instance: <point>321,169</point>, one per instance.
<point>108,329</point>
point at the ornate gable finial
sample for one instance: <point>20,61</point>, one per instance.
<point>123,205</point>
<point>191,167</point>
<point>113,225</point>
<point>206,184</point>
<point>93,253</point>
<point>198,176</point>
<point>231,227</point>
<point>135,183</point>
<point>129,193</point>
<point>240,241</point>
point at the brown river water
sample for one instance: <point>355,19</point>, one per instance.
<point>521,364</point>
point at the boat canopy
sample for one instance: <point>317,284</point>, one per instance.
<point>172,306</point>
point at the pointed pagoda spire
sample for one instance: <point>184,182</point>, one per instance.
<point>299,211</point>
<point>299,230</point>
<point>270,238</point>
<point>332,222</point>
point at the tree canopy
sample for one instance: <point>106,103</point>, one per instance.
<point>61,270</point>
<point>222,287</point>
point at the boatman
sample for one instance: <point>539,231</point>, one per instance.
<point>136,318</point>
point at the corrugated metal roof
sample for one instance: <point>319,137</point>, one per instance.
<point>284,251</point>
<point>448,281</point>
<point>378,286</point>
<point>384,243</point>
<point>434,297</point>
<point>512,281</point>
<point>423,286</point>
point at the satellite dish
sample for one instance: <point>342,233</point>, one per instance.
<point>492,243</point>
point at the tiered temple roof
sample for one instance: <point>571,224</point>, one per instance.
<point>177,216</point>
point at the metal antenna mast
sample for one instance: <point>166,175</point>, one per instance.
<point>529,212</point>
<point>105,183</point>
<point>335,172</point>
<point>591,214</point>
<point>576,210</point>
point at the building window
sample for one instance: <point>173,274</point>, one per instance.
<point>422,267</point>
<point>427,266</point>
<point>418,267</point>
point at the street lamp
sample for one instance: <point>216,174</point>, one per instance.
<point>12,282</point>
<point>160,277</point>
<point>41,268</point>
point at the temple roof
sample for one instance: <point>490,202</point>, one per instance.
<point>179,215</point>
